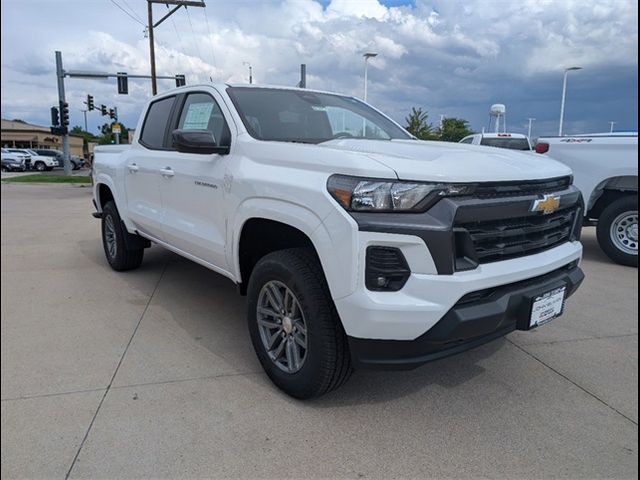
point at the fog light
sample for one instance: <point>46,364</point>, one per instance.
<point>386,269</point>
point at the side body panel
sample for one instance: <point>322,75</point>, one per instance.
<point>594,160</point>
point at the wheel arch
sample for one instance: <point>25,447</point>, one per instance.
<point>306,228</point>
<point>609,191</point>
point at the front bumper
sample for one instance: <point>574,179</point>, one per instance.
<point>475,319</point>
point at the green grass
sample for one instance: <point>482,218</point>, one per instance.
<point>39,178</point>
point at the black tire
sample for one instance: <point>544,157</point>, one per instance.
<point>610,213</point>
<point>5,169</point>
<point>327,364</point>
<point>123,258</point>
<point>40,166</point>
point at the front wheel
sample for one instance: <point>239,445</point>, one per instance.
<point>294,327</point>
<point>119,255</point>
<point>40,166</point>
<point>617,231</point>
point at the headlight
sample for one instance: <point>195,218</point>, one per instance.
<point>362,194</point>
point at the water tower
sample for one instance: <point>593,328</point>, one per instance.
<point>498,112</point>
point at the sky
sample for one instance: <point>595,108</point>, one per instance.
<point>452,58</point>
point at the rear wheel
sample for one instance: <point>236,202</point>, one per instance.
<point>618,231</point>
<point>119,255</point>
<point>294,327</point>
<point>40,166</point>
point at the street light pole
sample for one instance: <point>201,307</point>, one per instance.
<point>564,94</point>
<point>367,56</point>
<point>529,130</point>
<point>612,124</point>
<point>85,119</point>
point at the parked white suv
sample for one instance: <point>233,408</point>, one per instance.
<point>38,162</point>
<point>512,141</point>
<point>356,244</point>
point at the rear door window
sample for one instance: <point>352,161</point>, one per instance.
<point>155,124</point>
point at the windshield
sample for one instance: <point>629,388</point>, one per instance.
<point>309,117</point>
<point>510,143</point>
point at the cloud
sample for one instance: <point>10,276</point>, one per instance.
<point>453,58</point>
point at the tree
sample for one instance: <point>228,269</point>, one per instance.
<point>108,138</point>
<point>453,130</point>
<point>87,136</point>
<point>418,125</point>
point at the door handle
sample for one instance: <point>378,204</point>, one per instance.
<point>167,172</point>
<point>133,168</point>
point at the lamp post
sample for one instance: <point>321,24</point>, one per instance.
<point>564,93</point>
<point>367,56</point>
<point>612,124</point>
<point>529,130</point>
<point>250,71</point>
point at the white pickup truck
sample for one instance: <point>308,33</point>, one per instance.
<point>357,245</point>
<point>605,168</point>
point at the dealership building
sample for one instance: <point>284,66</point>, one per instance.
<point>25,135</point>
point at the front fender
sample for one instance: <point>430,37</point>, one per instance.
<point>334,247</point>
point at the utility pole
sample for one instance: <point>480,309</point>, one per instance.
<point>303,75</point>
<point>151,26</point>
<point>152,49</point>
<point>117,134</point>
<point>62,100</point>
<point>612,124</point>
<point>250,72</point>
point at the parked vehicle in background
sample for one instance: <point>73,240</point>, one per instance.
<point>76,161</point>
<point>13,162</point>
<point>605,169</point>
<point>512,141</point>
<point>356,244</point>
<point>40,163</point>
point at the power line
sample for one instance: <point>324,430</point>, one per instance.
<point>213,53</point>
<point>126,12</point>
<point>195,41</point>
<point>133,11</point>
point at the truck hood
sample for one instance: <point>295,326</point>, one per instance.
<point>452,162</point>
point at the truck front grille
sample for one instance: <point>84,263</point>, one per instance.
<point>497,240</point>
<point>512,189</point>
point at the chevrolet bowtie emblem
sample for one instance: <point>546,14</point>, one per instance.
<point>548,204</point>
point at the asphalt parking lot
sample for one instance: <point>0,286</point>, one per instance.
<point>151,374</point>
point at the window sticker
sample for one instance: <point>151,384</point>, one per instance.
<point>198,115</point>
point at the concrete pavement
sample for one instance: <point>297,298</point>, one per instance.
<point>151,374</point>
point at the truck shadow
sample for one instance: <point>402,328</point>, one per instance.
<point>207,311</point>
<point>591,249</point>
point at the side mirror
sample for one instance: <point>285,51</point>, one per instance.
<point>197,141</point>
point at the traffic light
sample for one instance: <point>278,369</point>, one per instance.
<point>55,117</point>
<point>112,114</point>
<point>90,105</point>
<point>64,114</point>
<point>123,87</point>
<point>103,110</point>
<point>180,81</point>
